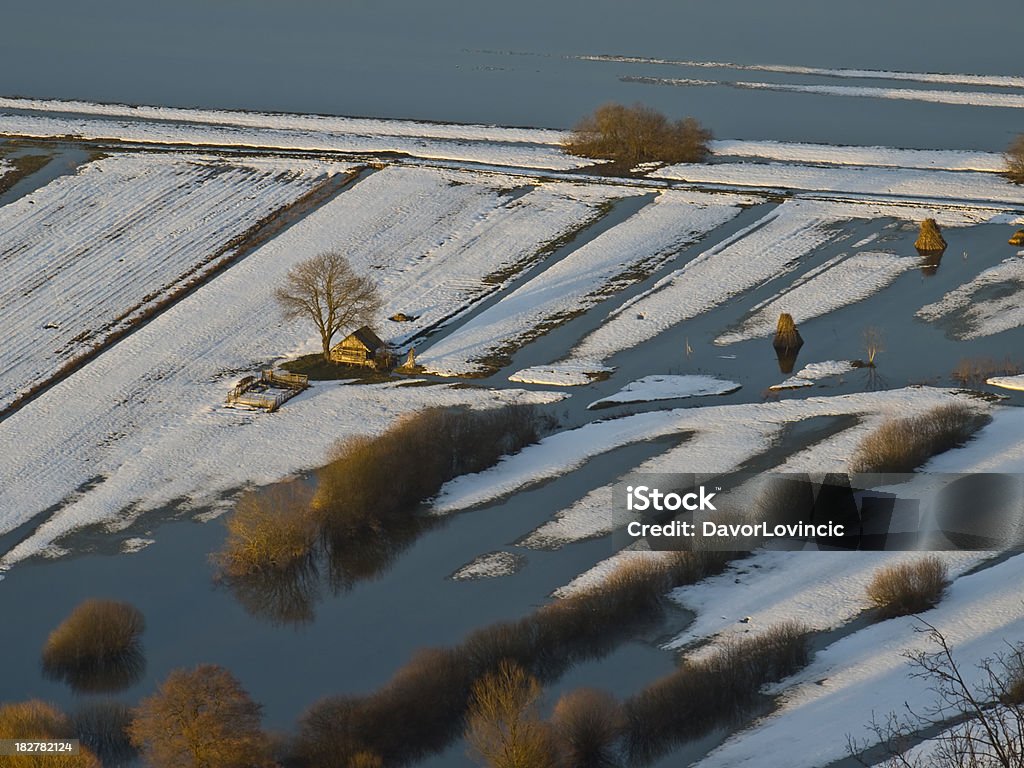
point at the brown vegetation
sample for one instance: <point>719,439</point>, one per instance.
<point>704,694</point>
<point>504,728</point>
<point>200,718</point>
<point>587,724</point>
<point>274,528</point>
<point>906,588</point>
<point>786,335</point>
<point>904,444</point>
<point>975,370</point>
<point>96,647</point>
<point>423,707</point>
<point>326,290</point>
<point>929,238</point>
<point>102,726</point>
<point>1015,160</point>
<point>37,720</point>
<point>638,134</point>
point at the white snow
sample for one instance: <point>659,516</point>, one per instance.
<point>813,372</point>
<point>489,566</point>
<point>1001,81</point>
<point>760,252</point>
<point>668,387</point>
<point>831,154</point>
<point>143,422</point>
<point>552,375</point>
<point>564,451</point>
<point>838,283</point>
<point>160,125</point>
<point>868,672</point>
<point>87,255</point>
<point>976,316</point>
<point>616,258</point>
<point>1007,382</point>
<point>890,183</point>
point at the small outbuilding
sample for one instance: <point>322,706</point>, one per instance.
<point>361,347</point>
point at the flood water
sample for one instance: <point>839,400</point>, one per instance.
<point>510,63</point>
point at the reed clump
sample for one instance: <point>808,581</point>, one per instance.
<point>929,238</point>
<point>907,588</point>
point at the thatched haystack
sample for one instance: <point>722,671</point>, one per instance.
<point>929,239</point>
<point>1018,238</point>
<point>786,335</point>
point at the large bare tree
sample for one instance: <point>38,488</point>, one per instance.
<point>326,290</point>
<point>200,718</point>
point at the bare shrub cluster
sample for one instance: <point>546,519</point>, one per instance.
<point>710,691</point>
<point>38,720</point>
<point>200,718</point>
<point>985,708</point>
<point>902,445</point>
<point>638,134</point>
<point>370,487</point>
<point>907,588</point>
<point>587,725</point>
<point>425,704</point>
<point>975,370</point>
<point>96,647</point>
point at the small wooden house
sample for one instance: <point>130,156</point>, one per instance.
<point>361,347</point>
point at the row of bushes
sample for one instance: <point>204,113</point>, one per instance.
<point>903,445</point>
<point>591,729</point>
<point>370,484</point>
<point>422,709</point>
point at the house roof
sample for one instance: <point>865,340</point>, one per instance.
<point>366,337</point>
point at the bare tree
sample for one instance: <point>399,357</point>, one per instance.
<point>980,723</point>
<point>200,718</point>
<point>35,720</point>
<point>1015,160</point>
<point>326,290</point>
<point>504,727</point>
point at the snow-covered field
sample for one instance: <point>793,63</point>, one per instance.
<point>161,125</point>
<point>667,387</point>
<point>813,372</point>
<point>879,182</point>
<point>618,257</point>
<point>89,254</point>
<point>865,157</point>
<point>988,304</point>
<point>835,284</point>
<point>142,425</point>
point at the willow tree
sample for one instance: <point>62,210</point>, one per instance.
<point>328,291</point>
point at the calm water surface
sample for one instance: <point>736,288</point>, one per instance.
<point>500,62</point>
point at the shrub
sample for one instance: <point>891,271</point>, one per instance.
<point>37,720</point>
<point>1015,160</point>
<point>270,529</point>
<point>199,718</point>
<point>96,647</point>
<point>638,134</point>
<point>102,726</point>
<point>902,445</point>
<point>709,692</point>
<point>373,478</point>
<point>504,729</point>
<point>906,588</point>
<point>587,724</point>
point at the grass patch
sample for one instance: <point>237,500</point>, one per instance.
<point>319,369</point>
<point>96,648</point>
<point>903,445</point>
<point>975,370</point>
<point>24,165</point>
<point>907,588</point>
